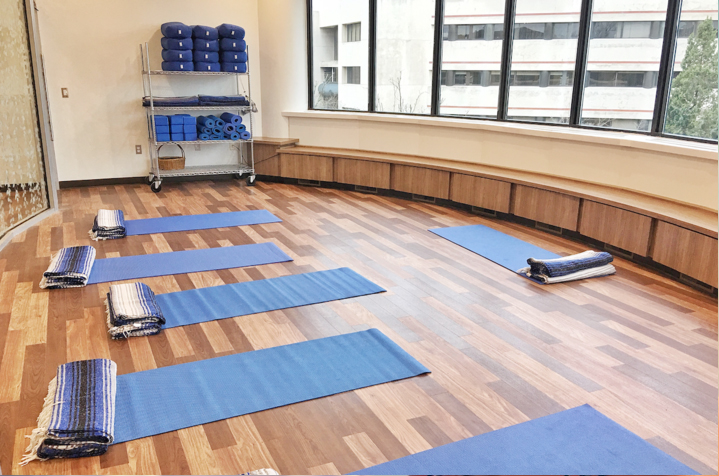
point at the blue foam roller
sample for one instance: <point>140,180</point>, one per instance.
<point>178,66</point>
<point>233,136</point>
<point>190,136</point>
<point>204,32</point>
<point>240,128</point>
<point>203,136</point>
<point>177,136</point>
<point>162,129</point>
<point>163,137</point>
<point>203,45</point>
<point>245,135</point>
<point>204,130</point>
<point>206,56</point>
<point>227,30</point>
<point>228,128</point>
<point>234,67</point>
<point>176,128</point>
<point>234,57</point>
<point>230,118</point>
<point>207,67</point>
<point>177,55</point>
<point>217,130</point>
<point>205,121</point>
<point>231,44</point>
<point>161,121</point>
<point>175,29</point>
<point>218,122</point>
<point>176,43</point>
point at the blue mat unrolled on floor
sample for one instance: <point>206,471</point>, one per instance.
<point>576,441</point>
<point>147,226</point>
<point>179,262</point>
<point>505,250</point>
<point>156,401</point>
<point>220,302</point>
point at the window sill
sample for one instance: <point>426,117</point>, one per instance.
<point>696,150</point>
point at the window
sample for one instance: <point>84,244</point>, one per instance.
<point>565,31</point>
<point>561,78</point>
<point>622,79</point>
<point>336,31</point>
<point>405,45</point>
<point>524,78</point>
<point>352,74</point>
<point>692,108</point>
<point>352,32</point>
<point>529,31</point>
<point>628,29</point>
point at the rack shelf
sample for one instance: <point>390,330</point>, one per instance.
<point>195,73</point>
<point>208,170</point>
<point>183,142</point>
<point>200,108</point>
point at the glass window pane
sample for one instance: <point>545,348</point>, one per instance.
<point>405,46</point>
<point>692,109</point>
<point>478,61</point>
<point>625,48</point>
<point>339,47</point>
<point>539,64</point>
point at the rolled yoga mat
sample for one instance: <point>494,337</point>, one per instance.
<point>205,121</point>
<point>576,441</point>
<point>203,136</point>
<point>245,135</point>
<point>156,401</point>
<point>228,128</point>
<point>230,118</point>
<point>180,262</point>
<point>240,128</point>
<point>233,136</point>
<point>217,130</point>
<point>183,308</point>
<point>206,221</point>
<point>218,122</point>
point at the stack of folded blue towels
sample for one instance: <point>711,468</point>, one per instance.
<point>176,47</point>
<point>232,48</point>
<point>177,128</point>
<point>226,127</point>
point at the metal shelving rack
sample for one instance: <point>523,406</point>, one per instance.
<point>245,166</point>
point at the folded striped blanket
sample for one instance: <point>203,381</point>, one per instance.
<point>108,225</point>
<point>132,311</point>
<point>78,416</point>
<point>588,264</point>
<point>69,268</point>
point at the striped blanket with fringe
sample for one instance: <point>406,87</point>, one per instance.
<point>108,225</point>
<point>78,416</point>
<point>132,311</point>
<point>589,264</point>
<point>69,268</point>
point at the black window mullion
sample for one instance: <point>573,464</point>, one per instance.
<point>580,65</point>
<point>372,56</point>
<point>671,25</point>
<point>437,56</point>
<point>310,79</point>
<point>509,9</point>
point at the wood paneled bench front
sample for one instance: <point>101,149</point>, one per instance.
<point>650,230</point>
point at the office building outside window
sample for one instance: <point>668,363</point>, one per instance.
<point>353,32</point>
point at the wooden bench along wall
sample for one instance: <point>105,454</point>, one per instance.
<point>689,247</point>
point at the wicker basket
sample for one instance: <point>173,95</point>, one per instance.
<point>171,163</point>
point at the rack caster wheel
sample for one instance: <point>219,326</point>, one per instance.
<point>250,180</point>
<point>239,176</point>
<point>150,179</point>
<point>156,187</point>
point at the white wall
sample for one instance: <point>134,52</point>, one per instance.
<point>92,48</point>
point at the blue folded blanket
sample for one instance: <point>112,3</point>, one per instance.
<point>228,128</point>
<point>132,311</point>
<point>178,66</point>
<point>108,224</point>
<point>234,67</point>
<point>171,102</point>
<point>234,57</point>
<point>218,122</point>
<point>177,55</point>
<point>176,43</point>
<point>175,29</point>
<point>207,45</point>
<point>232,136</point>
<point>230,118</point>
<point>69,268</point>
<point>223,100</point>
<point>204,32</point>
<point>231,31</point>
<point>230,44</point>
<point>245,135</point>
<point>206,56</point>
<point>205,121</point>
<point>207,67</point>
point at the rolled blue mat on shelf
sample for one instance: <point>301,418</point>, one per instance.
<point>228,128</point>
<point>178,66</point>
<point>208,67</point>
<point>240,128</point>
<point>233,57</point>
<point>162,121</point>
<point>234,67</point>
<point>205,221</point>
<point>218,122</point>
<point>206,56</point>
<point>177,55</point>
<point>162,137</point>
<point>205,32</point>
<point>177,137</point>
<point>203,136</point>
<point>162,129</point>
<point>217,137</point>
<point>230,118</point>
<point>203,45</point>
<point>230,44</point>
<point>226,30</point>
<point>245,135</point>
<point>205,121</point>
<point>217,130</point>
<point>190,136</point>
<point>176,43</point>
<point>204,130</point>
<point>233,136</point>
<point>175,29</point>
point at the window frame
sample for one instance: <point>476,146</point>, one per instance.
<point>669,39</point>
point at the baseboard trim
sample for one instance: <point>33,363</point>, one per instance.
<point>97,182</point>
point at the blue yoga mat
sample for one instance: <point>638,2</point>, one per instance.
<point>179,396</point>
<point>576,441</point>
<point>190,261</point>
<point>147,226</point>
<point>220,302</point>
<point>505,250</point>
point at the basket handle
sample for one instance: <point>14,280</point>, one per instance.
<point>163,145</point>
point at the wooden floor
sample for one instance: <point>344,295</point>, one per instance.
<point>639,348</point>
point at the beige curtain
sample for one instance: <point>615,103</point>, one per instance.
<point>22,178</point>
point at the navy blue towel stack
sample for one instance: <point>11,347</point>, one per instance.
<point>176,47</point>
<point>205,55</point>
<point>233,55</point>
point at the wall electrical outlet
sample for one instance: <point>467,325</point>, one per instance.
<point>138,149</point>
<point>198,147</point>
<point>64,92</point>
